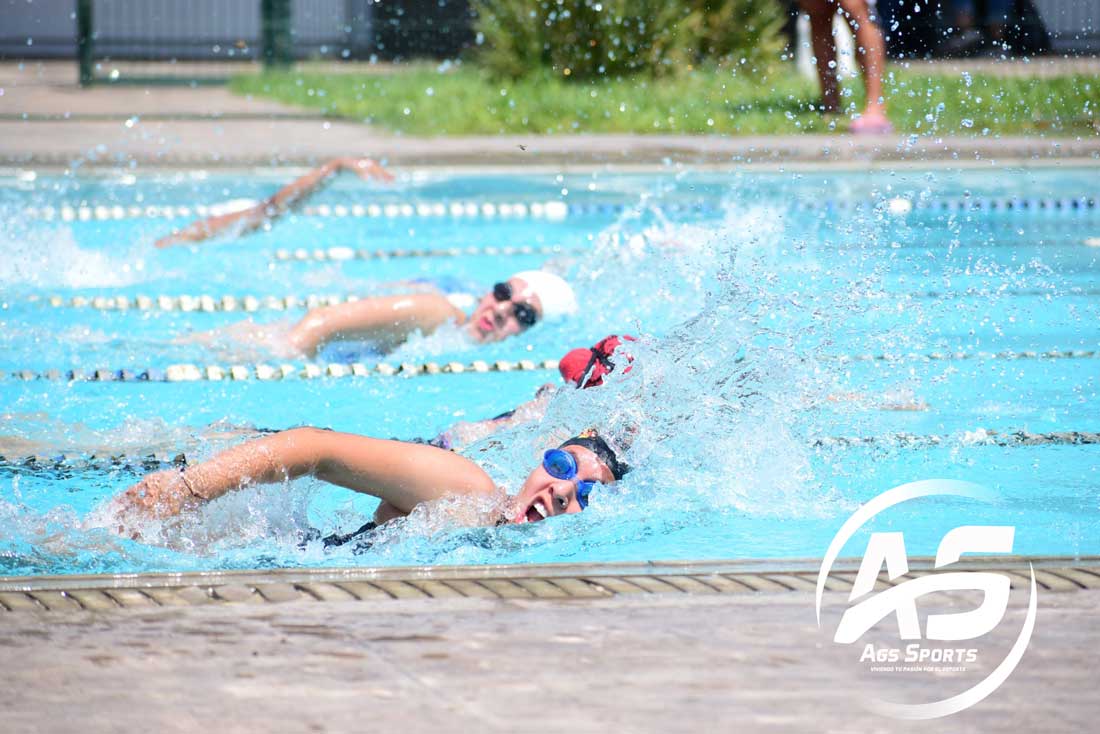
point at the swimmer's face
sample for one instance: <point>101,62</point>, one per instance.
<point>495,319</point>
<point>544,496</point>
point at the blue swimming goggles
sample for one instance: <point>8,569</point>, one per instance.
<point>561,464</point>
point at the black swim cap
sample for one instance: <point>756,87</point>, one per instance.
<point>593,442</point>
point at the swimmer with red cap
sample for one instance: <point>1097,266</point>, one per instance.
<point>586,367</point>
<point>593,363</point>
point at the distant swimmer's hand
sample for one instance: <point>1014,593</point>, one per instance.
<point>173,239</point>
<point>194,232</point>
<point>366,168</point>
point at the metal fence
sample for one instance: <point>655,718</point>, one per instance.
<point>1073,25</point>
<point>120,40</point>
<point>209,40</point>
<point>143,40</point>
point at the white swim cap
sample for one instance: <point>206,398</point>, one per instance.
<point>230,207</point>
<point>555,295</point>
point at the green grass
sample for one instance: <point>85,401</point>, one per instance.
<point>418,100</point>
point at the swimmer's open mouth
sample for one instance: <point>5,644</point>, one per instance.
<point>535,512</point>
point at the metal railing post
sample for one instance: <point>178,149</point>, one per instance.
<point>278,45</point>
<point>84,42</point>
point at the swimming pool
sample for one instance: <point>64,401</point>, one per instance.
<point>777,309</point>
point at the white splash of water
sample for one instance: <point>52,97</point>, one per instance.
<point>46,257</point>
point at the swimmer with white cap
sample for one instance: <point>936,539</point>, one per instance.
<point>511,307</point>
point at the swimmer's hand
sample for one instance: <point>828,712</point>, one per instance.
<point>364,168</point>
<point>158,496</point>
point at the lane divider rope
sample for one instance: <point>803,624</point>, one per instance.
<point>558,210</point>
<point>340,254</point>
<point>987,292</point>
<point>960,356</point>
<point>268,373</point>
<point>211,304</point>
<point>206,303</point>
<point>978,437</point>
<point>309,371</point>
<point>552,210</point>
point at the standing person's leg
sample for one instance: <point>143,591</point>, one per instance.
<point>871,54</point>
<point>964,14</point>
<point>821,14</point>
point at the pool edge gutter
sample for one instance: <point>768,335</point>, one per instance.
<point>563,581</point>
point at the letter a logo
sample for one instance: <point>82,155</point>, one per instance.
<point>901,600</point>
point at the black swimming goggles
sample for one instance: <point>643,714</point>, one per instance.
<point>524,312</point>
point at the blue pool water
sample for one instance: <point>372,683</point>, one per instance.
<point>752,292</point>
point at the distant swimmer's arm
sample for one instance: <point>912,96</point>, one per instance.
<point>386,320</point>
<point>464,433</point>
<point>402,475</point>
<point>254,217</point>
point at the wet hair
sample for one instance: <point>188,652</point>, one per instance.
<point>593,442</point>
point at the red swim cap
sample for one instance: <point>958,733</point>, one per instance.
<point>594,362</point>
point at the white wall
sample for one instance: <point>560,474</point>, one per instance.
<point>1074,25</point>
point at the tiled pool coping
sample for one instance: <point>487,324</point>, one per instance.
<point>551,581</point>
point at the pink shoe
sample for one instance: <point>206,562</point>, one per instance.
<point>874,123</point>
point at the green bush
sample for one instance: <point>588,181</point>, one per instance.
<point>585,39</point>
<point>726,31</point>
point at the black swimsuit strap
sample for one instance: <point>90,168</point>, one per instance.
<point>337,539</point>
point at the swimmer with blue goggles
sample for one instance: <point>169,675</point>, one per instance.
<point>560,464</point>
<point>400,474</point>
<point>568,475</point>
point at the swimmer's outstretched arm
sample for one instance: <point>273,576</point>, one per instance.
<point>402,475</point>
<point>286,198</point>
<point>464,433</point>
<point>385,320</point>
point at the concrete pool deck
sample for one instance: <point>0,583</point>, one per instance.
<point>46,119</point>
<point>707,646</point>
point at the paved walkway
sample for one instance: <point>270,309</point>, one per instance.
<point>685,646</point>
<point>649,663</point>
<point>47,120</point>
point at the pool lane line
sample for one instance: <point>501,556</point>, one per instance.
<point>581,582</point>
<point>229,303</point>
<point>556,210</point>
<point>550,210</point>
<point>341,254</point>
<point>339,370</point>
<point>93,462</point>
<point>998,292</point>
<point>204,303</point>
<point>977,438</point>
<point>962,356</point>
<point>268,373</point>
